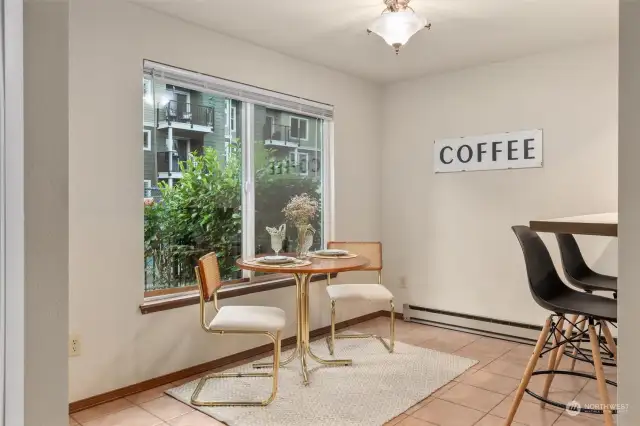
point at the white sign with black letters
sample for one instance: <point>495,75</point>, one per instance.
<point>510,150</point>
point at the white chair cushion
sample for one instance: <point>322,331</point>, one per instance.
<point>252,318</point>
<point>359,291</point>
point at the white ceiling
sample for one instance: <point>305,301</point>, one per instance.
<point>464,32</point>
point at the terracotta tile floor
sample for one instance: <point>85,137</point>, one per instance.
<point>479,397</point>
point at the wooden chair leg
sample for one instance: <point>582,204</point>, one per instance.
<point>531,365</point>
<point>610,342</point>
<point>552,360</point>
<point>602,383</point>
<point>581,322</point>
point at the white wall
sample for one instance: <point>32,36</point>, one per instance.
<point>108,42</point>
<point>629,176</point>
<point>449,234</point>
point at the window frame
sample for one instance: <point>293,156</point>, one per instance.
<point>144,146</point>
<point>306,133</point>
<point>248,199</point>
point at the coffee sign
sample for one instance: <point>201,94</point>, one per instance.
<point>510,150</point>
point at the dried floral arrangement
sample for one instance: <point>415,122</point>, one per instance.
<point>301,209</point>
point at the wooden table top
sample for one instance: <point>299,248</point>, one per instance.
<point>603,224</point>
<point>317,266</point>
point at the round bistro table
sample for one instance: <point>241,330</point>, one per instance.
<point>302,275</point>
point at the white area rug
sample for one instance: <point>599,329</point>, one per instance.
<point>376,388</point>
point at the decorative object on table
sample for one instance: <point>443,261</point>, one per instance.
<point>277,237</point>
<point>300,210</point>
<point>397,23</point>
<point>350,392</point>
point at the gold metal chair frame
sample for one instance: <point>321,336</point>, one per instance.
<point>276,359</point>
<point>331,339</point>
<point>303,349</point>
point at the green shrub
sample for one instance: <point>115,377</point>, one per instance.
<point>198,215</point>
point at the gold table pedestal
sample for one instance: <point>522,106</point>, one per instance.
<point>302,350</point>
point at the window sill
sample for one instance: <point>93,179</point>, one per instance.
<point>188,298</point>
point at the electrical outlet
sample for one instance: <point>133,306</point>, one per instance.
<point>403,282</point>
<point>74,345</point>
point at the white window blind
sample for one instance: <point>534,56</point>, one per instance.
<point>242,92</point>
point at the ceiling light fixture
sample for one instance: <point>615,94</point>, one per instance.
<point>397,23</point>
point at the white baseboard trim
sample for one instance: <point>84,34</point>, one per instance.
<point>491,327</point>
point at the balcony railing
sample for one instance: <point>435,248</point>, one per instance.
<point>280,133</point>
<point>186,113</point>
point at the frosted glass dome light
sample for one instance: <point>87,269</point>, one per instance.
<point>396,27</point>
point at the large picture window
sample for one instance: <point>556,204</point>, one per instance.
<point>218,170</point>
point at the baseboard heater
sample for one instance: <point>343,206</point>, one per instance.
<point>491,327</point>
